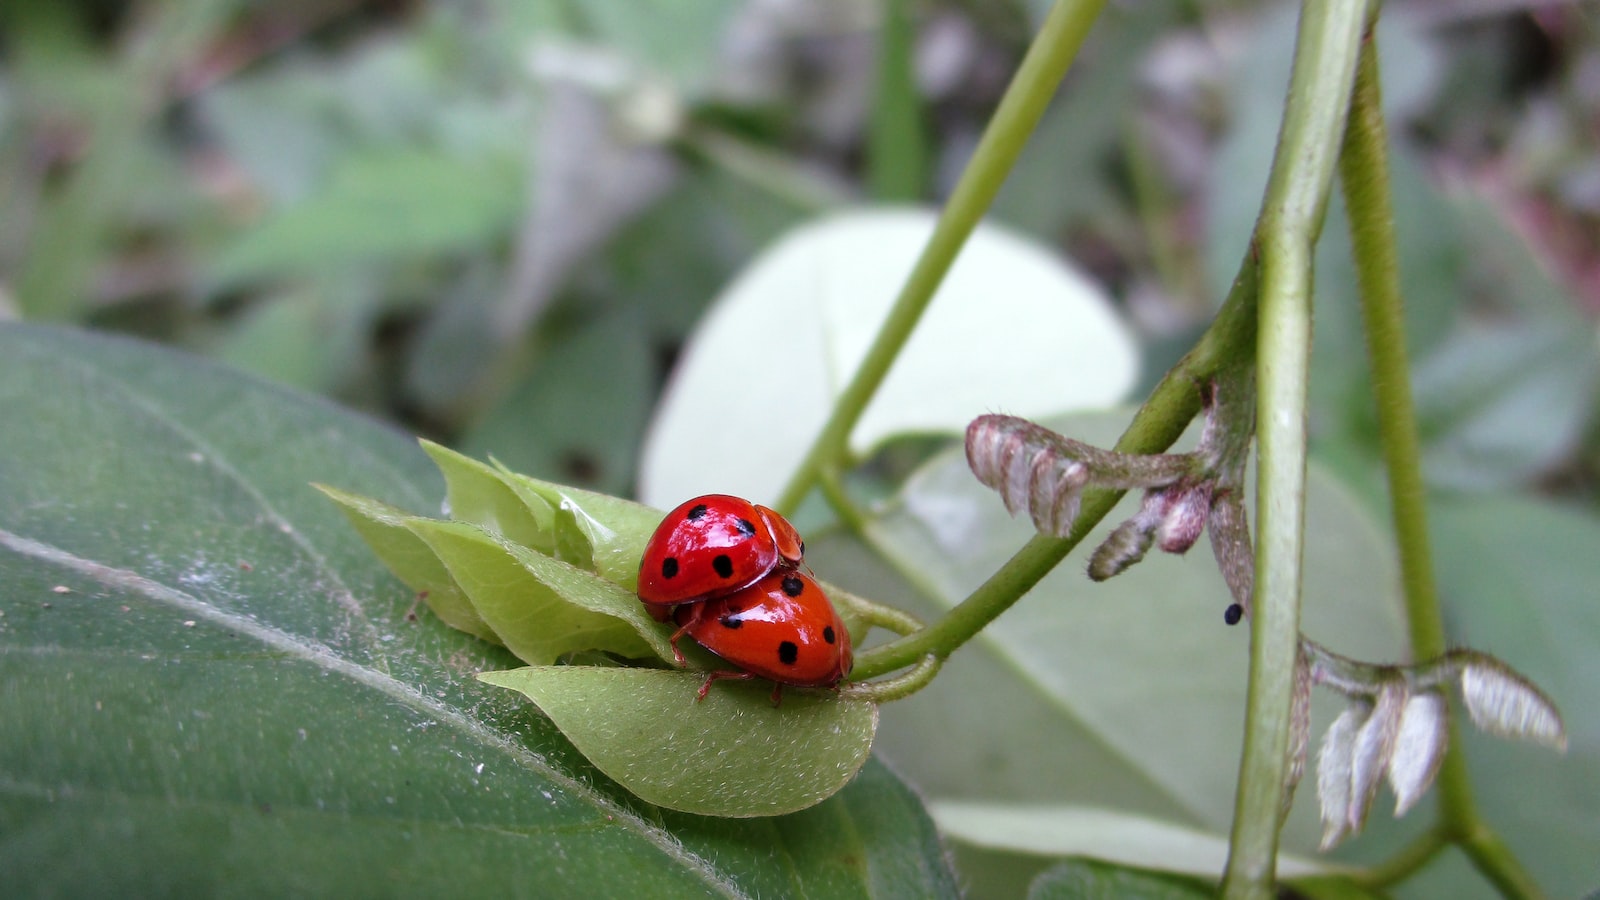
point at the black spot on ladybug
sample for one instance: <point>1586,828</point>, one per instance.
<point>696,511</point>
<point>827,633</point>
<point>1233,614</point>
<point>669,567</point>
<point>788,652</point>
<point>731,621</point>
<point>746,527</point>
<point>793,586</point>
<point>723,565</point>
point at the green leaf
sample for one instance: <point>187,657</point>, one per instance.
<point>482,496</point>
<point>594,531</point>
<point>615,530</point>
<point>309,338</point>
<point>1496,407</point>
<point>381,205</point>
<point>211,685</point>
<point>680,39</point>
<point>1081,879</point>
<point>385,530</point>
<point>797,321</point>
<point>591,393</point>
<point>541,608</point>
<point>732,754</point>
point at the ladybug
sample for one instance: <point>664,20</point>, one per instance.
<point>782,628</point>
<point>711,546</point>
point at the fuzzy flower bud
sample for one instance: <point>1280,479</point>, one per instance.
<point>1185,518</point>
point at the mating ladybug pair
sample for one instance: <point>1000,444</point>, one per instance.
<point>726,571</point>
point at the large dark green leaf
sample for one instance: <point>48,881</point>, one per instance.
<point>211,685</point>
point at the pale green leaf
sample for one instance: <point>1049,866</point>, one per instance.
<point>384,529</point>
<point>380,206</point>
<point>481,495</point>
<point>732,754</point>
<point>615,530</point>
<point>541,608</point>
<point>1102,834</point>
<point>1013,326</point>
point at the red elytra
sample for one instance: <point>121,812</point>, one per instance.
<point>782,628</point>
<point>712,546</point>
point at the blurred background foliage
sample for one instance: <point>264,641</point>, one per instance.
<point>495,222</point>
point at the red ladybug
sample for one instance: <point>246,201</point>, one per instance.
<point>712,546</point>
<point>781,628</point>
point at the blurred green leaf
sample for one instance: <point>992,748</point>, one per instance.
<point>110,102</point>
<point>379,206</point>
<point>211,685</point>
<point>680,39</point>
<point>579,415</point>
<point>731,754</point>
<point>1067,174</point>
<point>670,262</point>
<point>1494,407</point>
<point>1081,879</point>
<point>312,337</point>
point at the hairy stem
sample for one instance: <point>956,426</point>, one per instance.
<point>1024,103</point>
<point>1364,175</point>
<point>1291,218</point>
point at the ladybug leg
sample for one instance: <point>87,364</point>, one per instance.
<point>693,614</point>
<point>777,694</point>
<point>716,676</point>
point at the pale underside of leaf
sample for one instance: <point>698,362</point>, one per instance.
<point>734,754</point>
<point>1103,834</point>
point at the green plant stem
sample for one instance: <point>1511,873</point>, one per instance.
<point>1157,424</point>
<point>1326,49</point>
<point>897,688</point>
<point>897,151</point>
<point>1024,103</point>
<point>1406,862</point>
<point>887,617</point>
<point>833,490</point>
<point>1364,174</point>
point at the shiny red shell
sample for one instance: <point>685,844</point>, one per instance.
<point>712,546</point>
<point>782,628</point>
